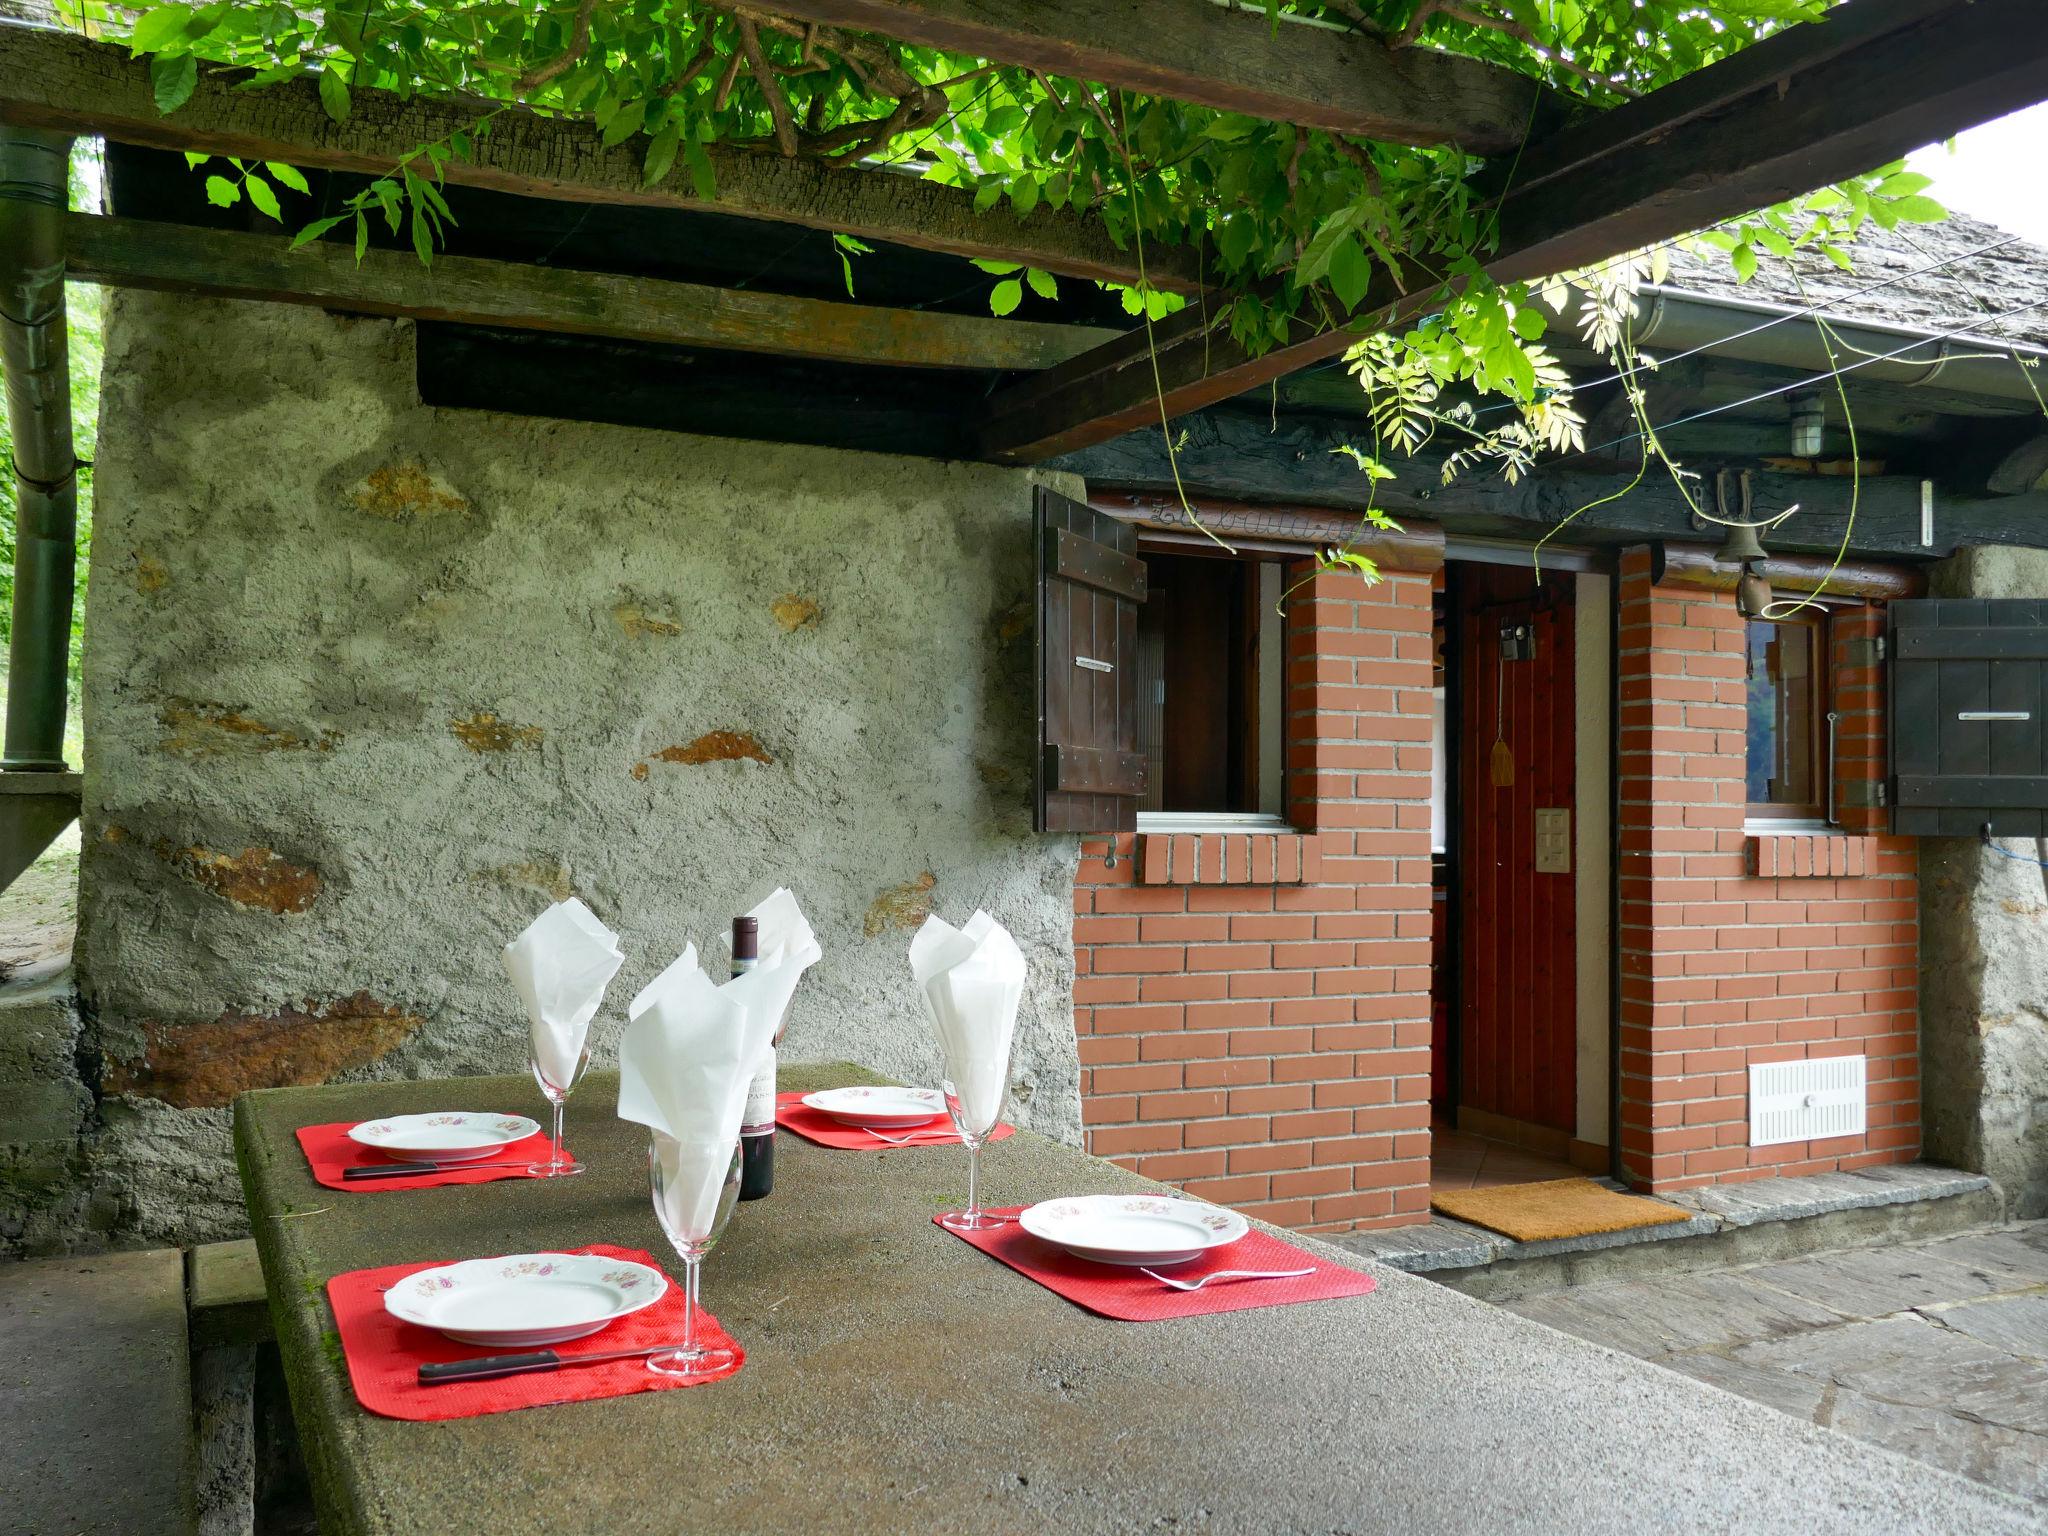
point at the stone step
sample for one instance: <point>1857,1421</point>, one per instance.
<point>1744,1223</point>
<point>96,1438</point>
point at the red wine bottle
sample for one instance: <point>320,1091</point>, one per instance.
<point>757,1124</point>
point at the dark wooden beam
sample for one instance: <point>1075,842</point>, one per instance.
<point>177,258</point>
<point>1236,61</point>
<point>1242,457</point>
<point>72,84</point>
<point>1700,565</point>
<point>1806,107</point>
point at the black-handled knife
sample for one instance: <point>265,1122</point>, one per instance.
<point>491,1367</point>
<point>416,1170</point>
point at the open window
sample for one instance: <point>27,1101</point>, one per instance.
<point>1786,767</point>
<point>1212,692</point>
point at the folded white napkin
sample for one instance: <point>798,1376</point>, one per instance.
<point>788,949</point>
<point>560,967</point>
<point>684,1064</point>
<point>972,980</point>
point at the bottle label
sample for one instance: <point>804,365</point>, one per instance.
<point>759,1117</point>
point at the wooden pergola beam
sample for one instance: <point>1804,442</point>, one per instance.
<point>72,84</point>
<point>1813,104</point>
<point>177,258</point>
<point>1236,61</point>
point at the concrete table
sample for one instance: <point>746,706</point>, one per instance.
<point>897,1379</point>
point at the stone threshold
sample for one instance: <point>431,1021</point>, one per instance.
<point>1728,1224</point>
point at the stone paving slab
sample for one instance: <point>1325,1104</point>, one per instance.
<point>1683,1312</point>
<point>2016,1324</point>
<point>1873,1282</point>
<point>1743,1205</point>
<point>95,1405</point>
<point>1936,1349</point>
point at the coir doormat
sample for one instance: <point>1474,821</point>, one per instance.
<point>1533,1213</point>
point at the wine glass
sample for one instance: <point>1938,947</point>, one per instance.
<point>693,1198</point>
<point>976,1112</point>
<point>557,1094</point>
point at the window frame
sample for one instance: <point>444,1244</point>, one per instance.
<point>1262,749</point>
<point>1783,816</point>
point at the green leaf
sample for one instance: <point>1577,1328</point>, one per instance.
<point>1042,283</point>
<point>1904,184</point>
<point>262,196</point>
<point>1024,194</point>
<point>1743,260</point>
<point>221,192</point>
<point>1918,210</point>
<point>661,154</point>
<point>701,177</point>
<point>334,94</point>
<point>173,80</point>
<point>1530,323</point>
<point>315,230</point>
<point>997,268</point>
<point>194,158</point>
<point>362,235</point>
<point>422,237</point>
<point>286,175</point>
<point>624,124</point>
<point>1350,272</point>
<point>1006,296</point>
<point>158,27</point>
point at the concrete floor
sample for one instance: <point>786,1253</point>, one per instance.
<point>1937,1350</point>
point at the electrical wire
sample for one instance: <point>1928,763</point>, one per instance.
<point>1812,382</point>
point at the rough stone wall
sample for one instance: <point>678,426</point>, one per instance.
<point>368,684</point>
<point>1984,965</point>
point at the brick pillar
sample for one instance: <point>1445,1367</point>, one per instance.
<point>1740,948</point>
<point>1254,1021</point>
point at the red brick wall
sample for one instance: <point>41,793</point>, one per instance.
<point>1722,967</point>
<point>1267,1045</point>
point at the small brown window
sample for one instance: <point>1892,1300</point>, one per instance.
<point>1211,686</point>
<point>1787,762</point>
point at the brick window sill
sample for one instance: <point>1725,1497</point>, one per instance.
<point>1816,855</point>
<point>1229,858</point>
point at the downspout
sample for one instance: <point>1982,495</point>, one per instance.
<point>35,176</point>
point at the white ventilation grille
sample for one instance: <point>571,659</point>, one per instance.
<point>1806,1100</point>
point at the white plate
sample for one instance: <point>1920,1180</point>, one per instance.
<point>525,1299</point>
<point>879,1108</point>
<point>449,1137</point>
<point>1133,1229</point>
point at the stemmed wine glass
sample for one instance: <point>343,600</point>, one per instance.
<point>679,1199</point>
<point>558,1165</point>
<point>975,1115</point>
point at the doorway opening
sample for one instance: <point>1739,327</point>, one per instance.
<point>1520,986</point>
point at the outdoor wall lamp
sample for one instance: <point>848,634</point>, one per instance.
<point>1809,425</point>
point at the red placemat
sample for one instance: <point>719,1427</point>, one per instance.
<point>1131,1296</point>
<point>329,1150</point>
<point>792,1115</point>
<point>384,1355</point>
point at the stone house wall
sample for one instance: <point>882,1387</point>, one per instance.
<point>368,684</point>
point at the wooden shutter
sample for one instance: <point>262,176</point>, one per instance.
<point>1089,773</point>
<point>1967,690</point>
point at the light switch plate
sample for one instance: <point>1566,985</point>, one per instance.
<point>1553,840</point>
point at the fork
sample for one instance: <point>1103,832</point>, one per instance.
<point>1227,1274</point>
<point>916,1138</point>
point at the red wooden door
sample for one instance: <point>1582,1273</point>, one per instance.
<point>1518,991</point>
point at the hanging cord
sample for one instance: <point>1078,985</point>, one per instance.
<point>2040,849</point>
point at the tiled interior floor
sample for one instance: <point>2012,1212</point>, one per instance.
<point>1460,1160</point>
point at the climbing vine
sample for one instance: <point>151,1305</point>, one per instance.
<point>1290,225</point>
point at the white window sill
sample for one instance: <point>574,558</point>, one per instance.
<point>1212,821</point>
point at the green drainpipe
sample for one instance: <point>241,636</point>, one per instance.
<point>35,181</point>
